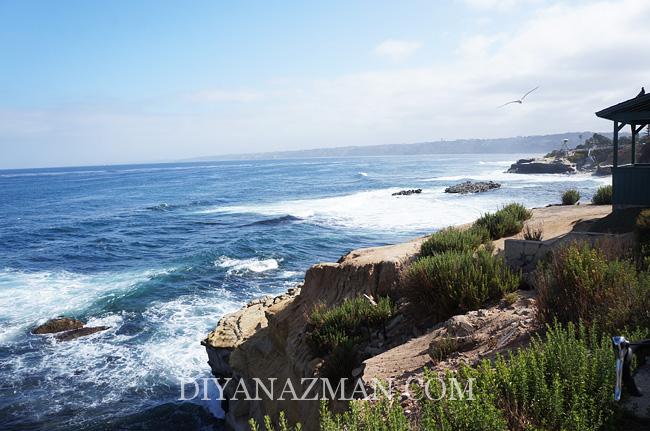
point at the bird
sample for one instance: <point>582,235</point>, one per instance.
<point>520,101</point>
<point>641,93</point>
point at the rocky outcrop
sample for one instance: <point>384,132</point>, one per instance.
<point>266,338</point>
<point>542,166</point>
<point>407,192</point>
<point>473,187</point>
<point>59,324</point>
<point>66,328</point>
<point>603,171</point>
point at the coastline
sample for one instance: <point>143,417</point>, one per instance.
<point>266,338</point>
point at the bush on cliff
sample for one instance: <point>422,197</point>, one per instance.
<point>570,197</point>
<point>562,381</point>
<point>507,221</point>
<point>603,196</point>
<point>333,333</point>
<point>450,283</point>
<point>580,282</point>
<point>452,239</point>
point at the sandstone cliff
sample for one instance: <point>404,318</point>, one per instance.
<point>265,339</point>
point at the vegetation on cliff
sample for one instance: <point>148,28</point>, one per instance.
<point>570,197</point>
<point>452,282</point>
<point>334,333</point>
<point>507,221</point>
<point>603,196</point>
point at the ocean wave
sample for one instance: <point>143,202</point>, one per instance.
<point>238,266</point>
<point>363,174</point>
<point>274,221</point>
<point>505,177</point>
<point>30,298</point>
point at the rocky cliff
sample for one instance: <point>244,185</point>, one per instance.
<point>265,339</point>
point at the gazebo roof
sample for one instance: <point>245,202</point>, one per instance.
<point>635,110</point>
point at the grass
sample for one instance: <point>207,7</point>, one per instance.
<point>507,221</point>
<point>334,333</point>
<point>562,381</point>
<point>452,239</point>
<point>450,283</point>
<point>533,233</point>
<point>580,282</point>
<point>603,196</point>
<point>570,197</point>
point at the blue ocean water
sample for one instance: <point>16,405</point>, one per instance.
<point>160,252</point>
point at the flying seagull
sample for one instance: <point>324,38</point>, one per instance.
<point>520,101</point>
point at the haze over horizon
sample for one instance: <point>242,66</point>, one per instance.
<point>102,83</point>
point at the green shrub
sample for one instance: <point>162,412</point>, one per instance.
<point>500,224</point>
<point>507,221</point>
<point>579,282</point>
<point>450,283</point>
<point>452,239</point>
<point>603,196</point>
<point>334,333</point>
<point>570,197</point>
<point>349,321</point>
<point>519,211</point>
<point>563,381</point>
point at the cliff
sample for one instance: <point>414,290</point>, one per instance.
<point>265,339</point>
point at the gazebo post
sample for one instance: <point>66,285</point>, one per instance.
<point>633,158</point>
<point>615,161</point>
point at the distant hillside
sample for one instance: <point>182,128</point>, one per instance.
<point>519,144</point>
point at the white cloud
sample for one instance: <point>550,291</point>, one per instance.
<point>224,96</point>
<point>397,50</point>
<point>498,4</point>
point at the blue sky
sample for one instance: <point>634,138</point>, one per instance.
<point>90,82</point>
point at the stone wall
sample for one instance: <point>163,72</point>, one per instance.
<point>524,254</point>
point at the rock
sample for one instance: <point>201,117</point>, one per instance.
<point>408,192</point>
<point>542,166</point>
<point>473,187</point>
<point>603,170</point>
<point>80,332</point>
<point>357,372</point>
<point>59,324</point>
<point>459,326</point>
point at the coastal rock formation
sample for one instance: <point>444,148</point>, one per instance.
<point>407,192</point>
<point>473,187</point>
<point>81,332</point>
<point>59,324</point>
<point>542,166</point>
<point>66,328</point>
<point>266,338</point>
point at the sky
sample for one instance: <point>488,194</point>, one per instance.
<point>97,82</point>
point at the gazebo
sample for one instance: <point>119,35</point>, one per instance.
<point>630,182</point>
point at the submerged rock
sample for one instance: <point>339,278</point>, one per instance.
<point>542,166</point>
<point>80,332</point>
<point>66,328</point>
<point>408,192</point>
<point>473,187</point>
<point>59,324</point>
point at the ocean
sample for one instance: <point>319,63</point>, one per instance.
<point>160,252</point>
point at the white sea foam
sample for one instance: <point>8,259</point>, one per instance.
<point>505,177</point>
<point>377,209</point>
<point>363,174</point>
<point>28,298</point>
<point>120,363</point>
<point>246,265</point>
